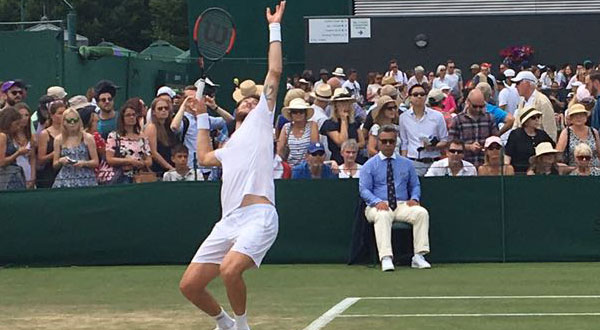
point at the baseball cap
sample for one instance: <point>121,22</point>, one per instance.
<point>166,90</point>
<point>323,71</point>
<point>435,96</point>
<point>525,75</point>
<point>486,65</point>
<point>492,139</point>
<point>56,92</point>
<point>314,147</point>
<point>11,83</point>
<point>474,66</point>
<point>509,73</point>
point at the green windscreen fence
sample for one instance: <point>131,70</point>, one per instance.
<point>472,220</point>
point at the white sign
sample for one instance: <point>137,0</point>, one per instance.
<point>360,28</point>
<point>327,30</point>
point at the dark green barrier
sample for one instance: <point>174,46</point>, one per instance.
<point>472,219</point>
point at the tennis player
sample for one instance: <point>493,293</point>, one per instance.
<point>249,223</point>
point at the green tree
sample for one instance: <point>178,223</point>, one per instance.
<point>169,21</point>
<point>133,24</point>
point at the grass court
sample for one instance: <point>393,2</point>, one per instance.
<point>449,296</point>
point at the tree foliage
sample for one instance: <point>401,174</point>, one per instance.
<point>132,24</point>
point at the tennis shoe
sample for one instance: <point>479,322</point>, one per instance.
<point>418,261</point>
<point>386,264</point>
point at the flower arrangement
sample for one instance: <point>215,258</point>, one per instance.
<point>516,55</point>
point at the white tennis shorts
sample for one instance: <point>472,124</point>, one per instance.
<point>250,230</point>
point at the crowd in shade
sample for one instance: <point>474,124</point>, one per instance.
<point>537,120</point>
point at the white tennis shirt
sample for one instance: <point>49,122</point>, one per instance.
<point>247,159</point>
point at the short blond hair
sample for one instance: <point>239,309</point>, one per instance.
<point>485,89</point>
<point>582,149</point>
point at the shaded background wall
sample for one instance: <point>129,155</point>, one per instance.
<point>41,59</point>
<point>557,39</point>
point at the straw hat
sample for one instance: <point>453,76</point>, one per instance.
<point>293,93</point>
<point>338,72</point>
<point>247,88</point>
<point>388,80</point>
<point>322,93</point>
<point>543,148</point>
<point>527,113</point>
<point>381,102</point>
<point>576,108</point>
<point>297,104</point>
<point>342,94</point>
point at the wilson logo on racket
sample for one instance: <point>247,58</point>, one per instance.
<point>214,33</point>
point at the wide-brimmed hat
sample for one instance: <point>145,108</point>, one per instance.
<point>56,92</point>
<point>381,102</point>
<point>78,101</point>
<point>247,88</point>
<point>297,104</point>
<point>293,93</point>
<point>388,80</point>
<point>576,108</point>
<point>323,92</point>
<point>338,72</point>
<point>527,113</point>
<point>342,94</point>
<point>544,148</point>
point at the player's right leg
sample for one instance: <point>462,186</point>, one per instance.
<point>193,286</point>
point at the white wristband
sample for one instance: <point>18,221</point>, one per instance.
<point>202,121</point>
<point>274,32</point>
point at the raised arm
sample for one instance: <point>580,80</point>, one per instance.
<point>275,54</point>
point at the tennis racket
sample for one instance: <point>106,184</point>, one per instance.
<point>214,35</point>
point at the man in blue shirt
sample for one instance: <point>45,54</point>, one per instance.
<point>313,167</point>
<point>390,187</point>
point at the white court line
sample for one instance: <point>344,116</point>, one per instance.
<point>331,314</point>
<point>482,297</point>
<point>467,315</point>
<point>338,309</point>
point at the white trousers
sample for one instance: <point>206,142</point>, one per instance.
<point>417,216</point>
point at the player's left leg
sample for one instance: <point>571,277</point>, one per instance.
<point>259,225</point>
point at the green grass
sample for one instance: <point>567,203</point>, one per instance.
<point>292,296</point>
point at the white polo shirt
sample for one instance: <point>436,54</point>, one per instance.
<point>440,168</point>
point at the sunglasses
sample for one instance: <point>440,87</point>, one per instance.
<point>418,94</point>
<point>317,153</point>
<point>389,107</point>
<point>71,120</point>
<point>162,108</point>
<point>297,111</point>
<point>130,115</point>
<point>107,99</point>
<point>387,141</point>
<point>476,106</point>
<point>456,151</point>
<point>584,157</point>
<point>494,147</point>
<point>17,93</point>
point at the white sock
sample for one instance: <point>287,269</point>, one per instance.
<point>241,322</point>
<point>224,321</point>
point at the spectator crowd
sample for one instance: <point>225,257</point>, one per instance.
<point>538,120</point>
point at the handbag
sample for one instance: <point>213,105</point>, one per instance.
<point>144,176</point>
